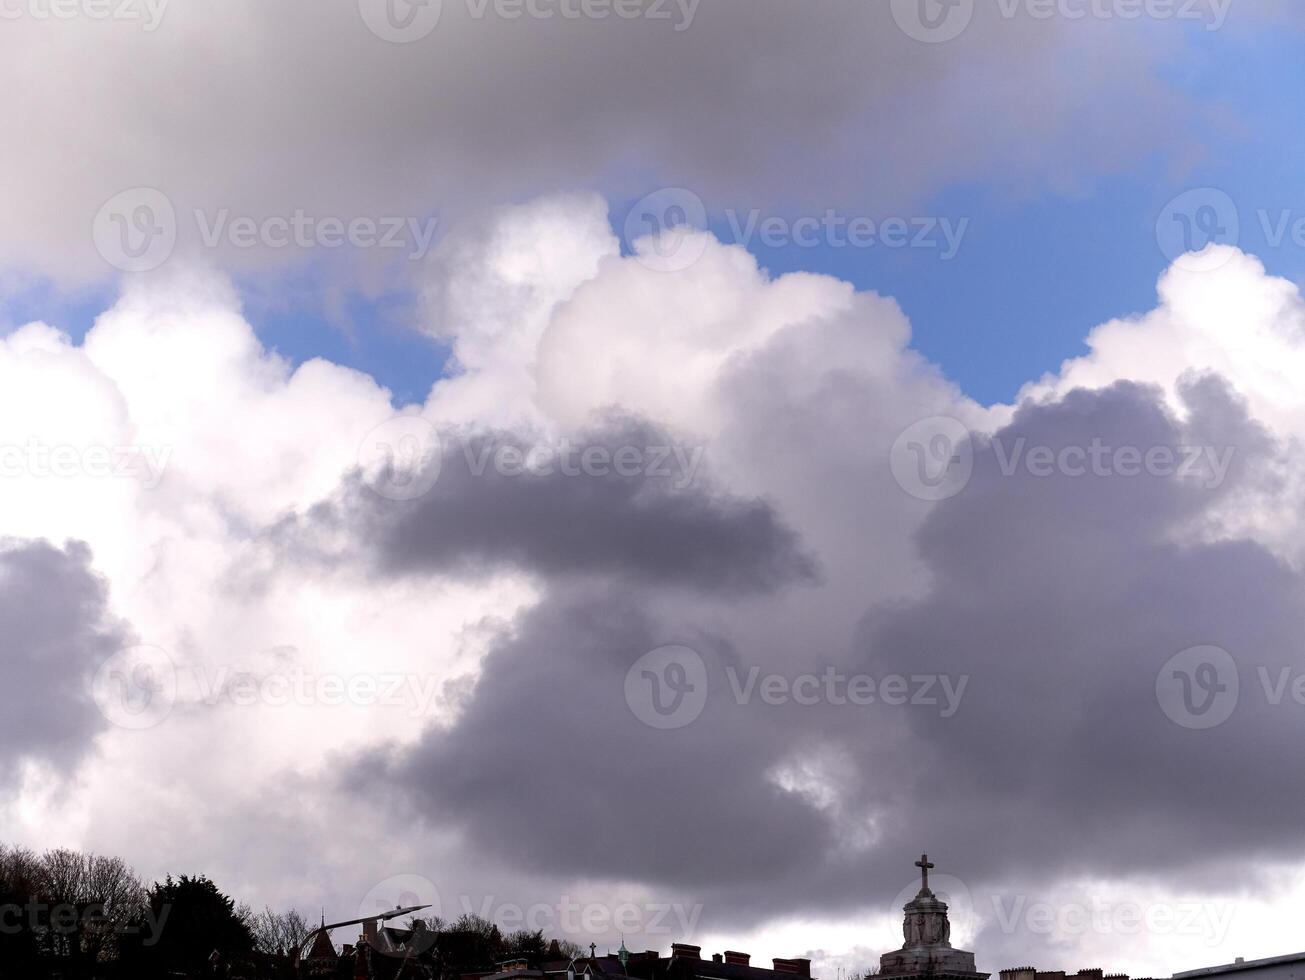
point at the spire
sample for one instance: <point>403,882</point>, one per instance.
<point>623,955</point>
<point>323,948</point>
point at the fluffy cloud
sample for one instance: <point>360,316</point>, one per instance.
<point>513,604</point>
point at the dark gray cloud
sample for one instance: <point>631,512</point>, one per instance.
<point>56,630</point>
<point>1060,597</point>
<point>662,523</point>
<point>342,124</point>
<point>1063,598</point>
<point>549,769</point>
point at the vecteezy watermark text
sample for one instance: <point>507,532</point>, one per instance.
<point>667,230</point>
<point>1208,920</point>
<point>406,21</point>
<point>573,918</point>
<point>833,687</point>
<point>1076,913</point>
<point>933,459</point>
<point>403,458</point>
<point>1102,460</point>
<point>37,459</point>
<point>147,13</point>
<point>667,688</point>
<point>137,230</point>
<point>939,21</point>
<point>243,689</point>
<point>138,688</point>
<point>834,230</point>
<point>565,916</point>
<point>565,458</point>
<point>68,919</point>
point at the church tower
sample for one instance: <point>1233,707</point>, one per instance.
<point>927,950</point>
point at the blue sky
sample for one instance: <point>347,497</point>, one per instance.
<point>1034,273</point>
<point>1032,276</point>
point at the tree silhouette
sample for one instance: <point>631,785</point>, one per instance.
<point>196,920</point>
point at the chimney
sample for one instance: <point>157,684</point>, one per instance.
<point>736,958</point>
<point>685,951</point>
<point>369,932</point>
<point>717,958</point>
<point>800,967</point>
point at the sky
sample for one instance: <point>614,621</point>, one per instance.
<point>651,470</point>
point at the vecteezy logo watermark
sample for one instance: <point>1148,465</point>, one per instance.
<point>404,891</point>
<point>401,21</point>
<point>136,231</point>
<point>948,888</point>
<point>405,21</point>
<point>36,459</point>
<point>401,458</point>
<point>667,230</point>
<point>1192,223</point>
<point>933,459</point>
<point>667,688</point>
<point>136,688</point>
<point>933,21</point>
<point>147,13</point>
<point>1198,687</point>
